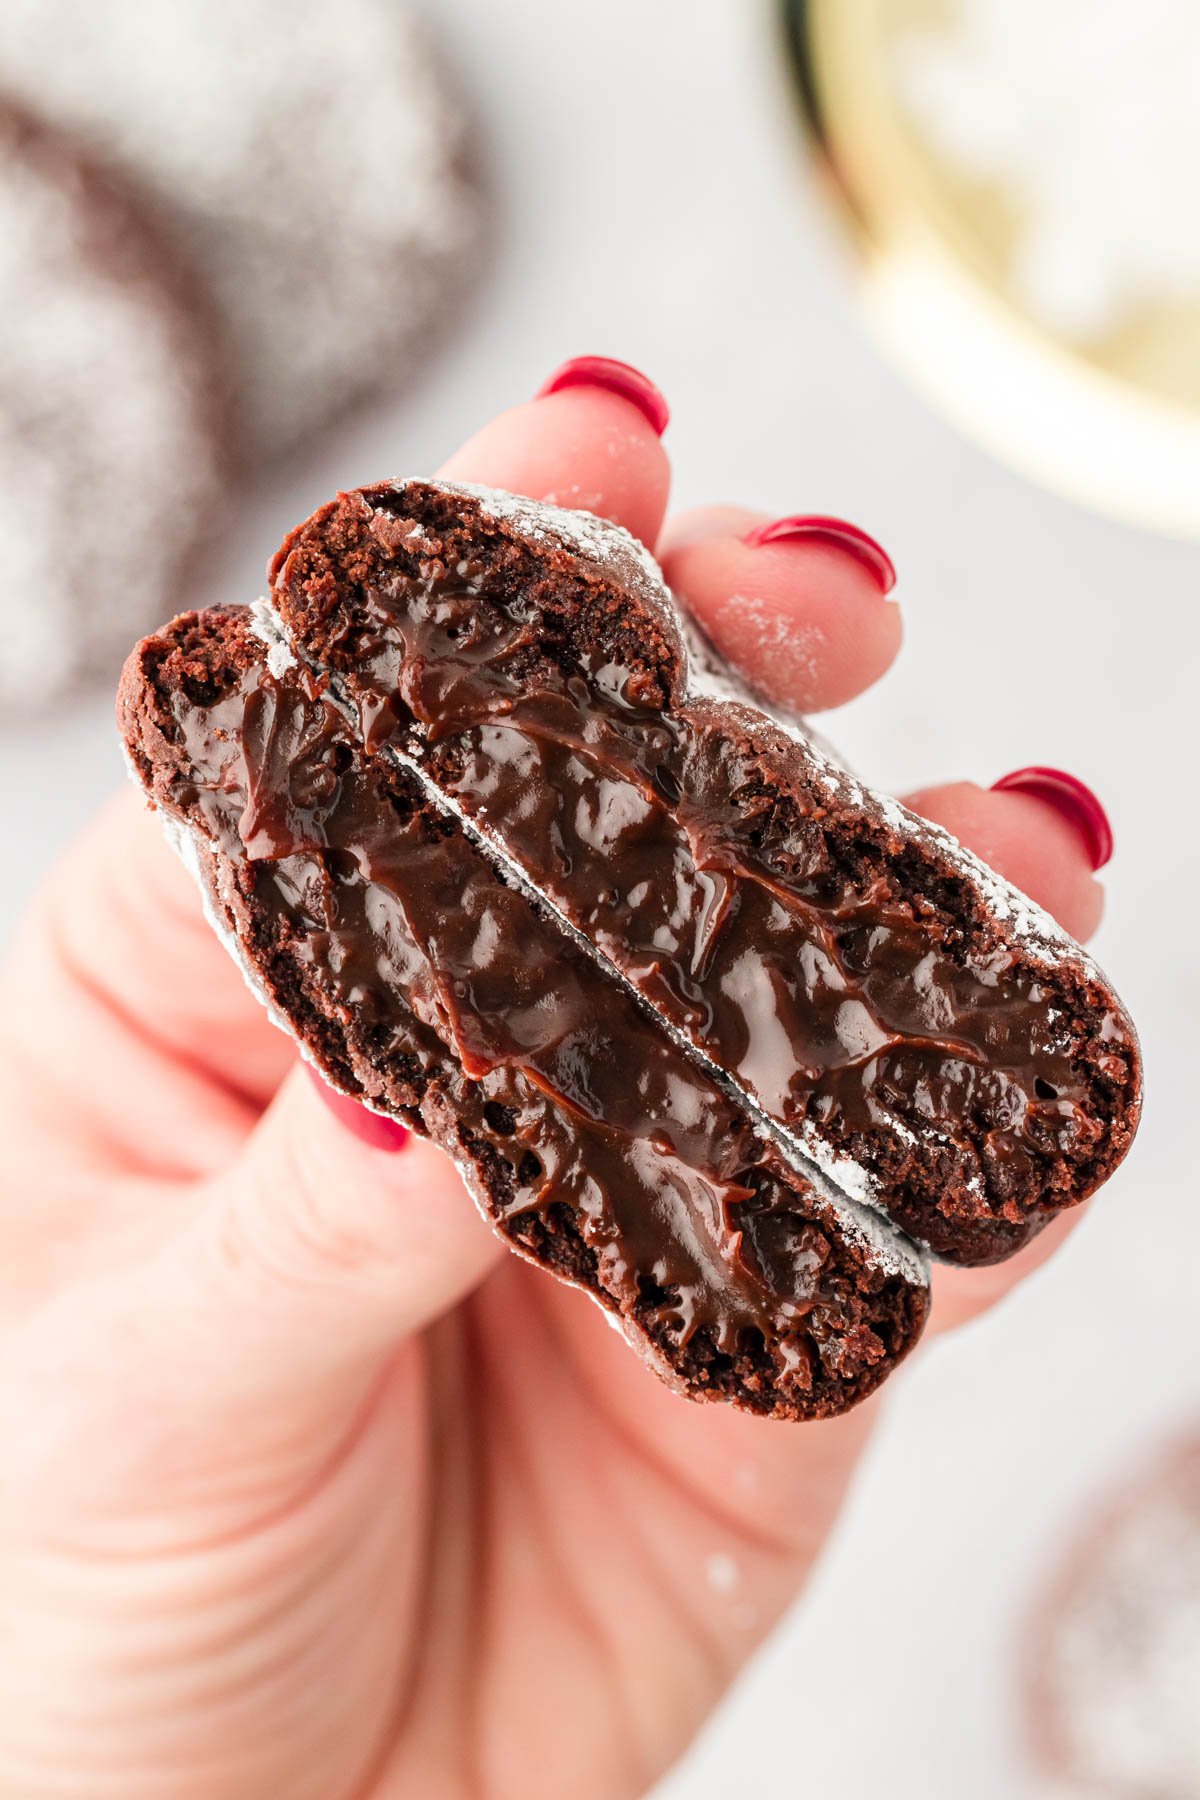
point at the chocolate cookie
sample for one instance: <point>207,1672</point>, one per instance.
<point>307,161</point>
<point>915,1028</point>
<point>421,976</point>
<point>109,460</point>
<point>1113,1672</point>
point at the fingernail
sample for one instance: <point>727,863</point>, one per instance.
<point>368,1127</point>
<point>1069,797</point>
<point>850,538</point>
<point>619,378</point>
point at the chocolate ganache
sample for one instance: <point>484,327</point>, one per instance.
<point>839,1002</point>
<point>468,1009</point>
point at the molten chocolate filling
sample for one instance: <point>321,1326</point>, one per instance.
<point>394,912</point>
<point>829,1002</point>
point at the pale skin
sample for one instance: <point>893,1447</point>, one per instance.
<point>307,1487</point>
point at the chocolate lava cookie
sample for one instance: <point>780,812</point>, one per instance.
<point>920,1032</point>
<point>109,436</point>
<point>421,977</point>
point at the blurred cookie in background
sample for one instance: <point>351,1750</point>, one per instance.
<point>110,430</point>
<point>1114,1692</point>
<point>308,161</point>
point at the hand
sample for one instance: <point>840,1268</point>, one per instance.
<point>307,1488</point>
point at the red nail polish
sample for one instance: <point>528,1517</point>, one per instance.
<point>1072,799</point>
<point>368,1127</point>
<point>619,378</point>
<point>848,537</point>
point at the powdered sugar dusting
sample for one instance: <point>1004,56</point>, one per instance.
<point>267,627</point>
<point>795,650</point>
<point>710,677</point>
<point>721,1572</point>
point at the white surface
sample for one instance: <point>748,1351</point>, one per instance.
<point>655,209</point>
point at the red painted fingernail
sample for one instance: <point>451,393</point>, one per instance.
<point>829,531</point>
<point>1072,799</point>
<point>619,378</point>
<point>368,1127</point>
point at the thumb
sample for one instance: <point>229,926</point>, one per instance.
<point>251,1341</point>
<point>238,1360</point>
<point>334,1236</point>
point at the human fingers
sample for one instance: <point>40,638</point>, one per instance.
<point>802,607</point>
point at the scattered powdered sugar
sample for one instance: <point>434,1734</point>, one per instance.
<point>280,660</point>
<point>724,1576</point>
<point>308,162</point>
<point>747,1477</point>
<point>268,628</point>
<point>721,1572</point>
<point>794,650</point>
<point>1120,1680</point>
<point>108,462</point>
<point>711,677</point>
<point>1042,936</point>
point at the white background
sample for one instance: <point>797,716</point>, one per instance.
<point>652,204</point>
